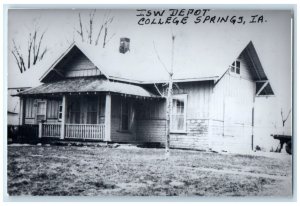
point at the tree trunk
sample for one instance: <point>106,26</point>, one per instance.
<point>168,115</point>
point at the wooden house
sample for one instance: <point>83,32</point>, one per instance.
<point>95,94</point>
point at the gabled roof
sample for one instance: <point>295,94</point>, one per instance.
<point>250,57</point>
<point>192,62</point>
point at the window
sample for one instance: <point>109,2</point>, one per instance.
<point>236,67</point>
<point>60,111</point>
<point>75,112</point>
<point>178,113</point>
<point>92,112</point>
<point>52,109</point>
<point>124,115</point>
<point>41,111</point>
<point>29,108</point>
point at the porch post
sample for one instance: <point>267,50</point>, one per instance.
<point>63,118</point>
<point>107,117</point>
<point>22,111</point>
<point>40,129</point>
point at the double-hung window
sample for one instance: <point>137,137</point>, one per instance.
<point>178,113</point>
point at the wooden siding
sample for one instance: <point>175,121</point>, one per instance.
<point>196,136</point>
<point>231,112</point>
<point>117,135</point>
<point>51,110</point>
<point>245,72</point>
<point>198,98</point>
<point>151,121</point>
<point>151,131</point>
<point>80,66</point>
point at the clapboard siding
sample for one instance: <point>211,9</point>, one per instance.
<point>80,66</point>
<point>120,136</point>
<point>196,136</point>
<point>188,142</point>
<point>151,131</point>
<point>117,135</point>
<point>151,125</point>
<point>198,98</point>
<point>52,106</point>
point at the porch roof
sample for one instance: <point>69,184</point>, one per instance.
<point>76,85</point>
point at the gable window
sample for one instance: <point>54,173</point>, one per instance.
<point>124,116</point>
<point>178,113</point>
<point>236,67</point>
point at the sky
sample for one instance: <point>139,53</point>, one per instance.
<point>271,38</point>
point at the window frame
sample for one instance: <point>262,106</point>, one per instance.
<point>234,68</point>
<point>60,109</point>
<point>184,98</point>
<point>121,116</point>
<point>37,110</point>
<point>29,108</point>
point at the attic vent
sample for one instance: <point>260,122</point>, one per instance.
<point>124,45</point>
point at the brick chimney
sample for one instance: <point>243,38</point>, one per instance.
<point>124,45</point>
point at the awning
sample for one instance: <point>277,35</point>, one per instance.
<point>91,84</point>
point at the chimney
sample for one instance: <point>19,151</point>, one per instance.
<point>124,45</point>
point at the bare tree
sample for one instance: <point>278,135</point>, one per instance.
<point>80,31</point>
<point>167,94</point>
<point>92,36</point>
<point>18,57</point>
<point>283,120</point>
<point>34,51</point>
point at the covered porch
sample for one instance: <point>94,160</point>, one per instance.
<point>81,117</point>
<point>82,108</point>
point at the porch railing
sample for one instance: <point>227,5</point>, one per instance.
<point>51,130</point>
<point>85,131</point>
<point>73,131</point>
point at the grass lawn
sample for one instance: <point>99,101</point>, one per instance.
<point>100,171</point>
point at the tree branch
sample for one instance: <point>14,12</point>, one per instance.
<point>157,89</point>
<point>80,26</point>
<point>162,63</point>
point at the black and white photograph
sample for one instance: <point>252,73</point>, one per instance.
<point>150,101</point>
